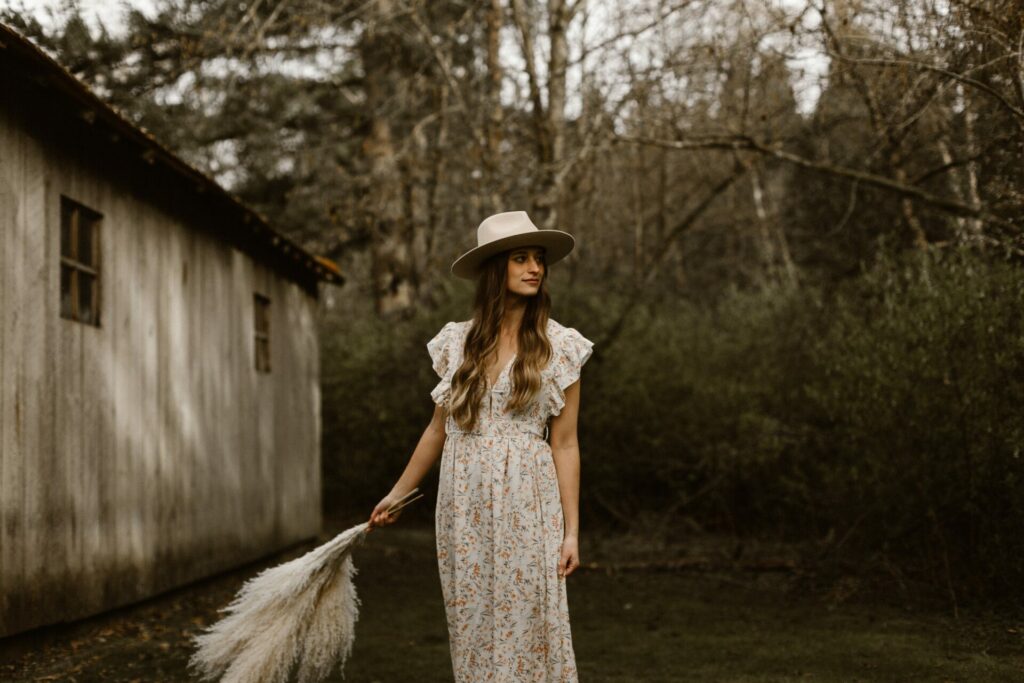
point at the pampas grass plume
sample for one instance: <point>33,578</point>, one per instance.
<point>300,615</point>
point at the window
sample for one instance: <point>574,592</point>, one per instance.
<point>262,320</point>
<point>79,262</point>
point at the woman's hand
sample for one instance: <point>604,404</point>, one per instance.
<point>380,516</point>
<point>570,556</point>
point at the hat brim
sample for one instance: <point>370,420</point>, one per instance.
<point>557,245</point>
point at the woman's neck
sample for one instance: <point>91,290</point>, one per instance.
<point>513,316</point>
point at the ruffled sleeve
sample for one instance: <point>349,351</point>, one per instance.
<point>442,350</point>
<point>571,351</point>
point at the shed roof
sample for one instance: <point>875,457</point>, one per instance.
<point>23,60</point>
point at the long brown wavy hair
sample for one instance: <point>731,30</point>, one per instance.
<point>469,383</point>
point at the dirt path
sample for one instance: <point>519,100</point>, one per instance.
<point>666,626</point>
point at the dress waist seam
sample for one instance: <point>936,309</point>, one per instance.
<point>539,432</point>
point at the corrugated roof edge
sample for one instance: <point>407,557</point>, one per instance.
<point>321,267</point>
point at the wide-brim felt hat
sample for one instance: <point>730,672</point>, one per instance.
<point>509,230</point>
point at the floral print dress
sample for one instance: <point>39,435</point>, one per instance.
<point>499,523</point>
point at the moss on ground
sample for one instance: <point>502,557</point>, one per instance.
<point>736,627</point>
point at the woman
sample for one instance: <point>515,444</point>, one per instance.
<point>507,502</point>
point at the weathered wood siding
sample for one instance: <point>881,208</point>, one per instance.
<point>147,452</point>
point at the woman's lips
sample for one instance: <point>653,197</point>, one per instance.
<point>532,282</point>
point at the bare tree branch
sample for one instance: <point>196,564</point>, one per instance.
<point>735,142</point>
<point>662,250</point>
<point>446,69</point>
<point>1017,112</point>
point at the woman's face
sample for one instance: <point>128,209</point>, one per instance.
<point>525,270</point>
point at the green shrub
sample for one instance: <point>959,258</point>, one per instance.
<point>376,378</point>
<point>884,418</point>
<point>921,377</point>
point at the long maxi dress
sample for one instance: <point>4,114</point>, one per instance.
<point>499,523</point>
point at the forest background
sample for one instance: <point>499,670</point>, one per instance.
<point>799,234</point>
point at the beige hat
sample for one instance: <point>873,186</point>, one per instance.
<point>509,230</point>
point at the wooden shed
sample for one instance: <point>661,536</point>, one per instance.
<point>159,368</point>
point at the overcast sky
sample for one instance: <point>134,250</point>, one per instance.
<point>108,11</point>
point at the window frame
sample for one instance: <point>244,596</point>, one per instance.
<point>72,214</point>
<point>261,332</point>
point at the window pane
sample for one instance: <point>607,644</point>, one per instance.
<point>262,313</point>
<point>85,233</point>
<point>65,228</point>
<point>262,354</point>
<point>66,290</point>
<point>85,289</point>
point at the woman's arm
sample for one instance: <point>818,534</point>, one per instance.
<point>423,458</point>
<point>565,450</point>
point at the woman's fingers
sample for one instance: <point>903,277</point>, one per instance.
<point>380,509</point>
<point>567,563</point>
<point>381,517</point>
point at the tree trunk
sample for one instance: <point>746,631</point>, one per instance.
<point>495,117</point>
<point>546,203</point>
<point>383,207</point>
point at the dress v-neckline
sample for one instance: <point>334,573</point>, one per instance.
<point>501,374</point>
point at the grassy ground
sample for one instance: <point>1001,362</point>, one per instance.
<point>729,626</point>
